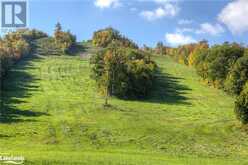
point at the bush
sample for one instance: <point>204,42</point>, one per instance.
<point>125,72</point>
<point>241,105</point>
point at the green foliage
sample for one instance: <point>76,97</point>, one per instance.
<point>182,53</point>
<point>64,40</point>
<point>223,66</point>
<point>212,64</point>
<point>104,37</point>
<point>238,76</point>
<point>200,62</point>
<point>241,105</point>
<point>5,63</point>
<point>125,72</point>
<point>199,50</point>
<point>47,46</point>
<point>16,45</point>
<point>221,59</point>
<point>32,34</point>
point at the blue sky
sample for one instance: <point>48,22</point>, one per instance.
<point>174,22</point>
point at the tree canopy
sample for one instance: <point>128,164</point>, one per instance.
<point>104,37</point>
<point>126,72</point>
<point>64,40</point>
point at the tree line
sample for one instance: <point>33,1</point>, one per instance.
<point>16,45</point>
<point>224,66</point>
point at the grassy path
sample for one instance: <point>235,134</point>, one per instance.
<point>54,114</point>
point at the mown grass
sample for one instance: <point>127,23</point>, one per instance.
<point>53,115</point>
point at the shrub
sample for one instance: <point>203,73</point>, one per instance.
<point>241,105</point>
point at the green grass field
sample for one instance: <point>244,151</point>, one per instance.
<point>55,116</point>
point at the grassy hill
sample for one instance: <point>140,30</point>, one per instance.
<point>55,116</point>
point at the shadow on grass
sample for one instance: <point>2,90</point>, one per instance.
<point>4,136</point>
<point>168,90</point>
<point>77,49</point>
<point>84,50</point>
<point>18,85</point>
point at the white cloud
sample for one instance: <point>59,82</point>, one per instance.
<point>207,28</point>
<point>167,10</point>
<point>107,3</point>
<point>178,39</point>
<point>184,22</point>
<point>183,30</point>
<point>152,15</point>
<point>235,16</point>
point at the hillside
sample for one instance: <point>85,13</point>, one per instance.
<point>55,116</point>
